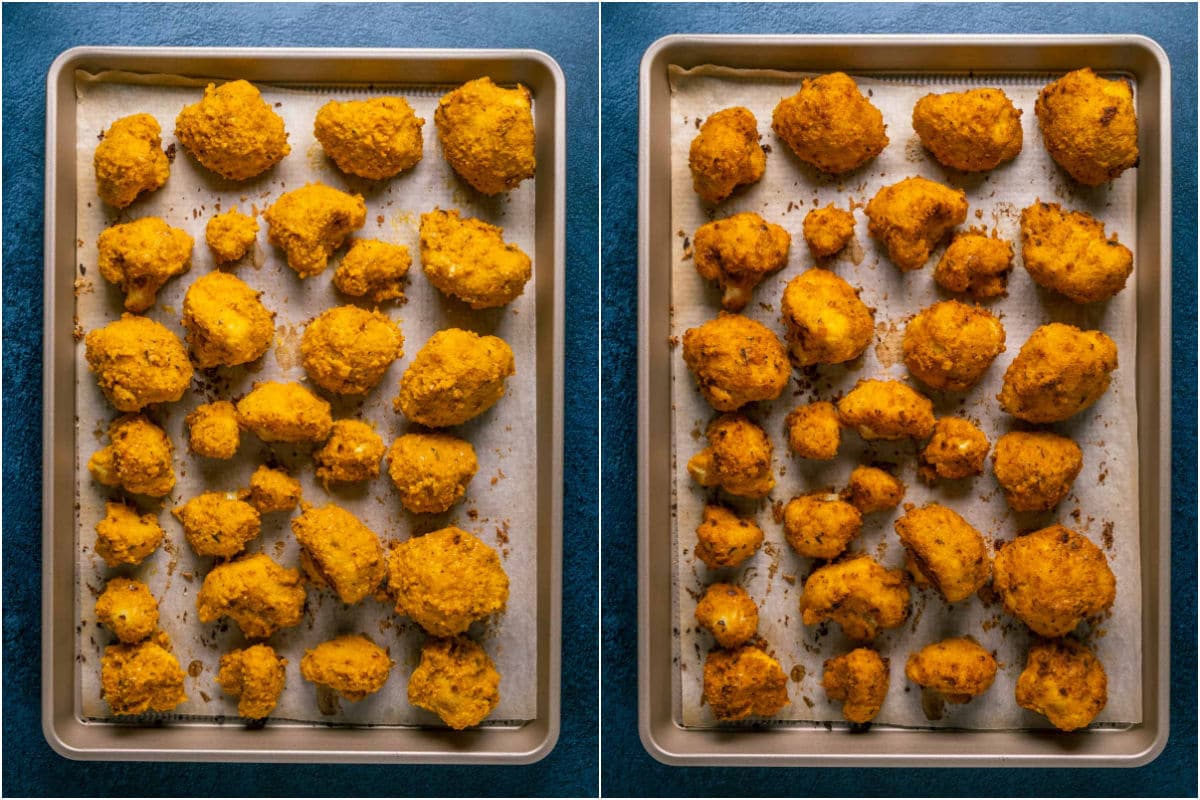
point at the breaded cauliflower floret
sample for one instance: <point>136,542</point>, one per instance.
<point>351,454</point>
<point>1068,252</point>
<point>230,235</point>
<point>736,361</point>
<point>256,676</point>
<point>814,431</point>
<point>956,450</point>
<point>456,376</point>
<point>726,154</point>
<point>218,524</point>
<point>723,539</point>
<point>871,489</point>
<point>271,490</point>
<point>830,124</point>
<point>351,665</point>
<point>255,592</point>
<point>455,680</point>
<point>467,258</point>
<point>820,525</point>
<point>124,537</point>
<point>886,410</point>
<point>738,458</point>
<point>1064,682</point>
<point>1059,372</point>
<point>309,223</point>
<point>728,613</point>
<point>950,345</point>
<point>738,252</point>
<point>136,678</point>
<point>1089,126</point>
<point>338,551</point>
<point>226,323</point>
<point>130,160</point>
<point>956,668</point>
<point>975,263</point>
<point>858,594</point>
<point>137,362</point>
<point>137,459</point>
<point>946,550</point>
<point>826,321</point>
<point>745,681</point>
<point>284,412</point>
<point>233,131</point>
<point>431,470</point>
<point>347,349</point>
<point>213,430</point>
<point>139,257</point>
<point>128,609</point>
<point>373,269</point>
<point>860,679</point>
<point>909,218</point>
<point>1036,469</point>
<point>374,139</point>
<point>827,230</point>
<point>487,134</point>
<point>972,131</point>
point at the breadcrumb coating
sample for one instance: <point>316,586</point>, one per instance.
<point>826,321</point>
<point>1089,126</point>
<point>1059,372</point>
<point>1069,253</point>
<point>972,131</point>
<point>728,613</point>
<point>309,223</point>
<point>946,550</point>
<point>337,550</point>
<point>139,257</point>
<point>726,154</point>
<point>858,594</point>
<point>124,537</point>
<point>259,595</point>
<point>487,134</point>
<point>284,412</point>
<point>911,217</point>
<point>745,681</point>
<point>956,450</point>
<point>467,258</point>
<point>233,131</point>
<point>871,489</point>
<point>347,349</point>
<point>814,431</point>
<point>820,526</point>
<point>737,253</point>
<point>130,160</point>
<point>738,458</point>
<point>976,264</point>
<point>455,680</point>
<point>272,490</point>
<point>137,362</point>
<point>957,668</point>
<point>859,679</point>
<point>431,470</point>
<point>1064,682</point>
<point>373,269</point>
<point>213,430</point>
<point>736,361</point>
<point>137,459</point>
<point>374,139</point>
<point>456,376</point>
<point>226,323</point>
<point>827,230</point>
<point>950,345</point>
<point>128,609</point>
<point>136,678</point>
<point>1036,469</point>
<point>218,524</point>
<point>351,665</point>
<point>887,410</point>
<point>351,453</point>
<point>723,539</point>
<point>830,124</point>
<point>256,676</point>
<point>230,235</point>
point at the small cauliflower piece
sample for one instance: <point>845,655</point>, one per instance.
<point>130,160</point>
<point>347,349</point>
<point>487,134</point>
<point>826,321</point>
<point>456,376</point>
<point>431,470</point>
<point>338,551</point>
<point>972,131</point>
<point>956,668</point>
<point>230,235</point>
<point>859,679</point>
<point>1059,372</point>
<point>136,678</point>
<point>455,680</point>
<point>728,613</point>
<point>256,676</point>
<point>736,361</point>
<point>309,223</point>
<point>956,450</point>
<point>946,550</point>
<point>1064,682</point>
<point>351,665</point>
<point>233,131</point>
<point>871,489</point>
<point>351,453</point>
<point>909,218</point>
<point>137,362</point>
<point>1036,469</point>
<point>723,539</point>
<point>284,412</point>
<point>887,410</point>
<point>814,431</point>
<point>950,345</point>
<point>1089,126</point>
<point>271,490</point>
<point>976,264</point>
<point>139,257</point>
<point>828,230</point>
<point>137,459</point>
<point>858,594</point>
<point>218,524</point>
<point>226,323</point>
<point>738,252</point>
<point>1069,253</point>
<point>741,682</point>
<point>374,139</point>
<point>820,526</point>
<point>738,458</point>
<point>726,154</point>
<point>467,258</point>
<point>373,269</point>
<point>124,537</point>
<point>213,430</point>
<point>128,609</point>
<point>255,592</point>
<point>830,124</point>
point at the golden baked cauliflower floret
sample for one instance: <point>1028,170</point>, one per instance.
<point>871,489</point>
<point>950,345</point>
<point>467,258</point>
<point>726,154</point>
<point>137,362</point>
<point>431,470</point>
<point>124,537</point>
<point>956,668</point>
<point>256,676</point>
<point>455,680</point>
<point>909,218</point>
<point>728,613</point>
<point>446,580</point>
<point>820,526</point>
<point>338,551</point>
<point>139,257</point>
<point>886,410</point>
<point>946,550</point>
<point>284,412</point>
<point>859,679</point>
<point>972,131</point>
<point>309,223</point>
<point>136,678</point>
<point>976,264</point>
<point>1036,469</point>
<point>128,609</point>
<point>226,323</point>
<point>1089,126</point>
<point>230,235</point>
<point>827,230</point>
<point>454,378</point>
<point>826,321</point>
<point>233,131</point>
<point>723,539</point>
<point>487,134</point>
<point>745,681</point>
<point>736,361</point>
<point>351,665</point>
<point>830,124</point>
<point>271,490</point>
<point>137,459</point>
<point>130,160</point>
<point>347,349</point>
<point>1059,372</point>
<point>1067,252</point>
<point>1053,578</point>
<point>957,449</point>
<point>213,430</point>
<point>1064,682</point>
<point>218,524</point>
<point>858,594</point>
<point>255,592</point>
<point>738,252</point>
<point>351,453</point>
<point>374,139</point>
<point>373,269</point>
<point>737,459</point>
<point>814,431</point>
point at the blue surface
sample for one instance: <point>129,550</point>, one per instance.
<point>34,36</point>
<point>626,32</point>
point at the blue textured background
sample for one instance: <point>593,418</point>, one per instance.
<point>33,37</point>
<point>626,32</point>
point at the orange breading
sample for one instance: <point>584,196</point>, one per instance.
<point>233,131</point>
<point>351,453</point>
<point>886,410</point>
<point>1089,126</point>
<point>467,258</point>
<point>975,263</point>
<point>858,594</point>
<point>218,524</point>
<point>128,609</point>
<point>972,131</point>
<point>456,376</point>
<point>735,361</point>
<point>826,321</point>
<point>351,665</point>
<point>487,134</point>
<point>124,537</point>
<point>226,322</point>
<point>728,613</point>
<point>830,124</point>
<point>950,345</point>
<point>957,668</point>
<point>136,678</point>
<point>871,489</point>
<point>957,449</point>
<point>255,592</point>
<point>284,412</point>
<point>860,679</point>
<point>745,681</point>
<point>1068,252</point>
<point>909,218</point>
<point>738,252</point>
<point>374,139</point>
<point>347,349</point>
<point>723,539</point>
<point>946,550</point>
<point>256,676</point>
<point>130,160</point>
<point>1064,682</point>
<point>309,223</point>
<point>137,362</point>
<point>814,431</point>
<point>373,269</point>
<point>338,551</point>
<point>1036,469</point>
<point>213,430</point>
<point>431,470</point>
<point>726,154</point>
<point>139,257</point>
<point>455,680</point>
<point>738,458</point>
<point>271,490</point>
<point>827,230</point>
<point>138,458</point>
<point>820,526</point>
<point>1059,372</point>
<point>230,235</point>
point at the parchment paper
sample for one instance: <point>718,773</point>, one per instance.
<point>1103,504</point>
<point>499,505</point>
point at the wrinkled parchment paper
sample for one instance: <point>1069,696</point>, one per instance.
<point>1103,504</point>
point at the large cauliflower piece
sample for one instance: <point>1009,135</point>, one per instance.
<point>909,218</point>
<point>487,134</point>
<point>1059,372</point>
<point>726,154</point>
<point>309,223</point>
<point>830,124</point>
<point>467,258</point>
<point>140,256</point>
<point>130,160</point>
<point>1089,126</point>
<point>233,131</point>
<point>736,361</point>
<point>374,139</point>
<point>454,378</point>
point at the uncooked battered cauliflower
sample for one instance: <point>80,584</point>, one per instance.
<point>909,218</point>
<point>373,269</point>
<point>256,676</point>
<point>975,263</point>
<point>1064,682</point>
<point>351,454</point>
<point>820,526</point>
<point>726,154</point>
<point>946,550</point>
<point>1068,252</point>
<point>218,524</point>
<point>827,230</point>
<point>351,665</point>
<point>972,131</point>
<point>139,257</point>
<point>860,679</point>
<point>230,235</point>
<point>374,139</point>
<point>309,223</point>
<point>338,551</point>
<point>736,361</point>
<point>271,490</point>
<point>814,431</point>
<point>826,321</point>
<point>1089,126</point>
<point>467,258</point>
<point>137,362</point>
<point>255,592</point>
<point>284,412</point>
<point>1059,372</point>
<point>128,609</point>
<point>830,124</point>
<point>136,678</point>
<point>745,681</point>
<point>233,131</point>
<point>858,594</point>
<point>723,539</point>
<point>956,668</point>
<point>137,459</point>
<point>455,680</point>
<point>487,134</point>
<point>347,349</point>
<point>226,323</point>
<point>728,613</point>
<point>871,489</point>
<point>737,459</point>
<point>454,378</point>
<point>956,450</point>
<point>950,345</point>
<point>130,160</point>
<point>213,430</point>
<point>887,410</point>
<point>1036,469</point>
<point>124,537</point>
<point>738,252</point>
<point>431,470</point>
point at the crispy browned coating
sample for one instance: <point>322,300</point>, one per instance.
<point>820,526</point>
<point>1059,372</point>
<point>858,594</point>
<point>1068,252</point>
<point>950,345</point>
<point>139,257</point>
<point>271,490</point>
<point>956,450</point>
<point>347,349</point>
<point>130,160</point>
<point>309,223</point>
<point>871,489</point>
<point>128,609</point>
<point>213,430</point>
<point>256,676</point>
<point>738,458</point>
<point>726,154</point>
<point>431,470</point>
<point>446,580</point>
<point>456,376</point>
<point>455,680</point>
<point>218,524</point>
<point>230,235</point>
<point>826,321</point>
<point>860,679</point>
<point>137,362</point>
<point>830,124</point>
<point>886,410</point>
<point>1052,578</point>
<point>1089,126</point>
<point>909,218</point>
<point>137,459</point>
<point>233,131</point>
<point>735,361</point>
<point>1064,682</point>
<point>351,453</point>
<point>728,613</point>
<point>373,269</point>
<point>827,230</point>
<point>946,550</point>
<point>723,539</point>
<point>972,131</point>
<point>226,323</point>
<point>467,258</point>
<point>957,668</point>
<point>976,264</point>
<point>814,431</point>
<point>351,665</point>
<point>487,134</point>
<point>136,678</point>
<point>338,551</point>
<point>124,537</point>
<point>745,681</point>
<point>284,412</point>
<point>1036,469</point>
<point>738,252</point>
<point>255,592</point>
<point>375,139</point>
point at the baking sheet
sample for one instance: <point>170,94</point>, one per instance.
<point>1102,505</point>
<point>498,506</point>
